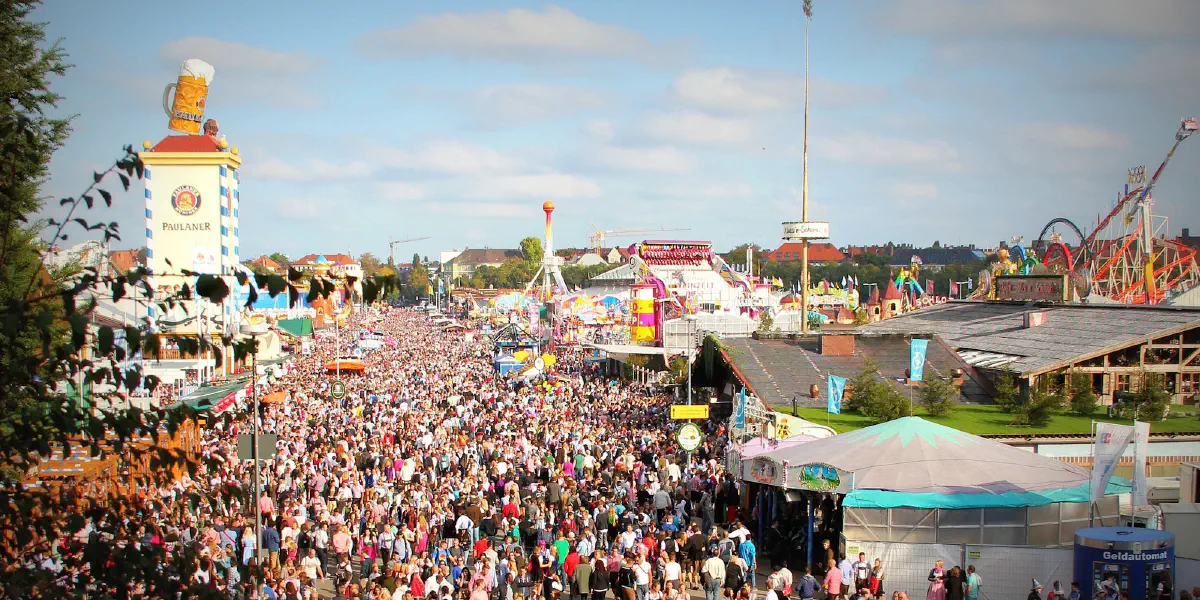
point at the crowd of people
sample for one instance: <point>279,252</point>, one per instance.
<point>434,478</point>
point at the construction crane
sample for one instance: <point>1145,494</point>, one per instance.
<point>392,247</point>
<point>597,239</point>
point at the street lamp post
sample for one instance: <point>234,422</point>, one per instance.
<point>254,330</point>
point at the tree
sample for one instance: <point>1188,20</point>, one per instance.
<point>418,282</point>
<point>939,397</point>
<point>281,258</point>
<point>872,397</point>
<point>416,260</point>
<point>370,264</point>
<point>1151,401</point>
<point>1083,400</point>
<point>531,249</point>
<point>936,245</point>
<point>1007,397</point>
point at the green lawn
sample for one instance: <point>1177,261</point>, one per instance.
<point>988,419</point>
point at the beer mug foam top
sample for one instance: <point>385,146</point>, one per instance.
<point>186,108</point>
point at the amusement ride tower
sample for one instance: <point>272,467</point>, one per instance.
<point>550,270</point>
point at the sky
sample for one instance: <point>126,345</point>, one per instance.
<point>962,121</point>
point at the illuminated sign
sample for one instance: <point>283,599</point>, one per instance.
<point>1042,288</point>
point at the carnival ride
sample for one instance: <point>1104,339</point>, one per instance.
<point>1127,257</point>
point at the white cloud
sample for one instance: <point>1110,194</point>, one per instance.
<point>1072,136</point>
<point>532,186</point>
<point>600,129</point>
<point>298,209</point>
<point>713,191</point>
<point>697,128</point>
<point>483,210</point>
<point>236,56</point>
<point>246,74</point>
<point>869,149</point>
<point>519,103</point>
<point>310,170</point>
<point>914,190</point>
<point>1099,18</point>
<point>447,156</point>
<point>401,191</point>
<point>737,90</point>
<point>662,159</point>
<point>518,34</point>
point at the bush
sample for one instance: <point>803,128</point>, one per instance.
<point>1083,401</point>
<point>1042,403</point>
<point>939,397</point>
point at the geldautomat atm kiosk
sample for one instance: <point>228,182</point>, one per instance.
<point>1111,560</point>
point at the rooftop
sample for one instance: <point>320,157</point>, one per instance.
<point>994,333</point>
<point>777,370</point>
<point>187,143</point>
<point>485,256</point>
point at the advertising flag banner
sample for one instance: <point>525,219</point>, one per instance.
<point>916,359</point>
<point>739,413</point>
<point>1141,451</point>
<point>837,387</point>
<point>1111,441</point>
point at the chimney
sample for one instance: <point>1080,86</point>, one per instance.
<point>1187,232</point>
<point>1035,319</point>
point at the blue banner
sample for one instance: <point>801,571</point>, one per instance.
<point>739,411</point>
<point>837,387</point>
<point>916,359</point>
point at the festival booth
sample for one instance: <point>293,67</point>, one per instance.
<point>911,491</point>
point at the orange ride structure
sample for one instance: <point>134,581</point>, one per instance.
<point>1127,257</point>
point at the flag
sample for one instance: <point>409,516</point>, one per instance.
<point>837,387</point>
<point>856,281</point>
<point>916,359</point>
<point>739,413</point>
<point>928,286</point>
<point>953,288</point>
<point>1141,451</point>
<point>843,281</point>
<point>1111,441</point>
<point>970,283</point>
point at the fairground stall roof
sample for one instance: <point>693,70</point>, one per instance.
<point>993,334</point>
<point>911,462</point>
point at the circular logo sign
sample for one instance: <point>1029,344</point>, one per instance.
<point>689,437</point>
<point>185,200</point>
<point>338,389</point>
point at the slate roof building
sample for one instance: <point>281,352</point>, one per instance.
<point>1114,344</point>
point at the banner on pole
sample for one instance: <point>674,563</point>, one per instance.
<point>739,412</point>
<point>837,387</point>
<point>916,359</point>
<point>1111,441</point>
<point>1141,451</point>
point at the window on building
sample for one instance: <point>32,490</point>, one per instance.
<point>1123,383</point>
<point>1189,385</point>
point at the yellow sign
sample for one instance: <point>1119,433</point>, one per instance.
<point>689,411</point>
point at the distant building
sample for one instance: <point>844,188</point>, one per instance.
<point>264,262</point>
<point>1189,239</point>
<point>338,265</point>
<point>818,253</point>
<point>468,260</point>
<point>935,258</point>
<point>124,261</point>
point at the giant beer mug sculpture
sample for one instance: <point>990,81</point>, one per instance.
<point>186,107</point>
